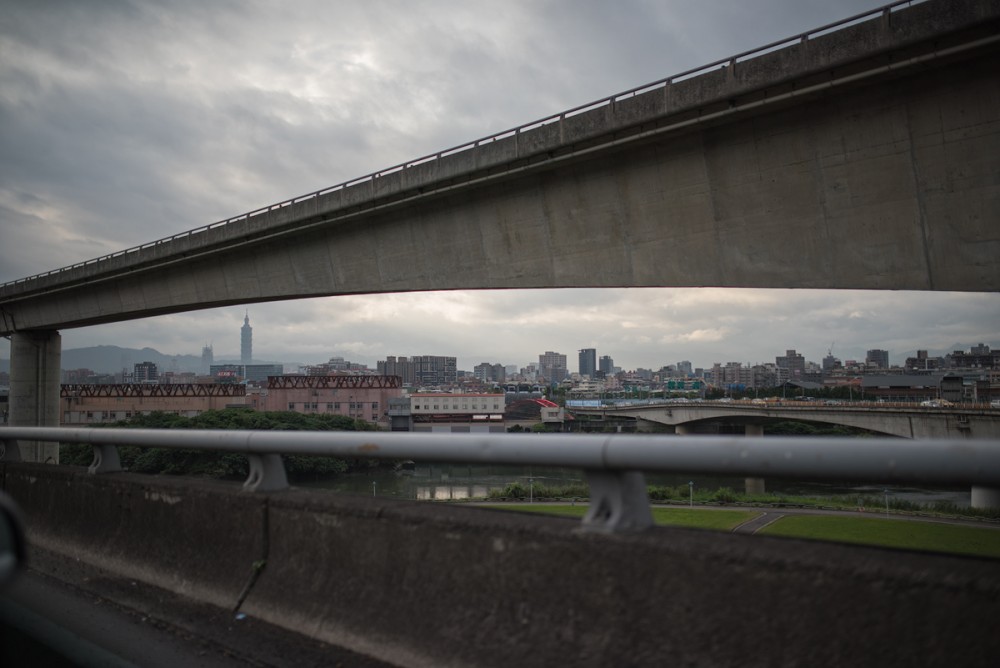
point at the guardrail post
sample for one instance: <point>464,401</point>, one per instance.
<point>105,459</point>
<point>10,451</point>
<point>618,502</point>
<point>267,474</point>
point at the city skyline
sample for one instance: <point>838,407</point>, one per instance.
<point>565,361</point>
<point>111,142</point>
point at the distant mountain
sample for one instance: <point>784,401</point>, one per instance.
<point>112,359</point>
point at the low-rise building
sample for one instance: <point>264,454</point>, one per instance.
<point>458,413</point>
<point>901,387</point>
<point>359,397</point>
<point>85,404</point>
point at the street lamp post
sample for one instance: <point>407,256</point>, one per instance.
<point>691,493</point>
<point>886,493</point>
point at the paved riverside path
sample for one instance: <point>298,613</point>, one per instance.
<point>62,613</point>
<point>755,524</point>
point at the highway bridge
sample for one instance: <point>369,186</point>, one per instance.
<point>905,420</point>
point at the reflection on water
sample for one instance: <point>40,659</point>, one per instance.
<point>446,482</point>
<point>452,492</point>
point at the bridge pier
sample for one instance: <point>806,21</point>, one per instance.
<point>34,388</point>
<point>985,497</point>
<point>753,485</point>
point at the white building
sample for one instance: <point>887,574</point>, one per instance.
<point>459,413</point>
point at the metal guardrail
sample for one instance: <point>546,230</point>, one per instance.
<point>606,101</point>
<point>833,405</point>
<point>614,464</point>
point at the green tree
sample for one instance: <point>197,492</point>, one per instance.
<point>212,464</point>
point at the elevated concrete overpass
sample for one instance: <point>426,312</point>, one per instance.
<point>903,420</point>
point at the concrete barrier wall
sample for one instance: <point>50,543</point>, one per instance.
<point>425,584</point>
<point>199,540</point>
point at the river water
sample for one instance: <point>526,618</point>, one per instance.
<point>452,482</point>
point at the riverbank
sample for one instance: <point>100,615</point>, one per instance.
<point>930,534</point>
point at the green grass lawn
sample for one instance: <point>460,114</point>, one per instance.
<point>931,536</point>
<point>722,520</point>
<point>876,531</point>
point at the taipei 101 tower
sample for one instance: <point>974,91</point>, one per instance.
<point>246,341</point>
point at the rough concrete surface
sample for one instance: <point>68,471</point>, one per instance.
<point>422,584</point>
<point>63,611</point>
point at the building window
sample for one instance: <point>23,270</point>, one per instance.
<point>329,407</point>
<point>374,408</point>
<point>291,406</point>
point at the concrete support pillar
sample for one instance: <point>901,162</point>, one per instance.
<point>34,388</point>
<point>754,485</point>
<point>985,497</point>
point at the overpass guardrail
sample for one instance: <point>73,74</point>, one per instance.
<point>614,465</point>
<point>729,61</point>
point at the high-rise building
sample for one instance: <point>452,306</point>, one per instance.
<point>246,341</point>
<point>434,370</point>
<point>488,372</point>
<point>588,362</point>
<point>607,365</point>
<point>552,366</point>
<point>877,358</point>
<point>145,372</point>
<point>793,362</point>
<point>421,370</point>
<point>207,358</point>
<point>830,363</point>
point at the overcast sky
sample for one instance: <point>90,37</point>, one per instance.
<point>123,122</point>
